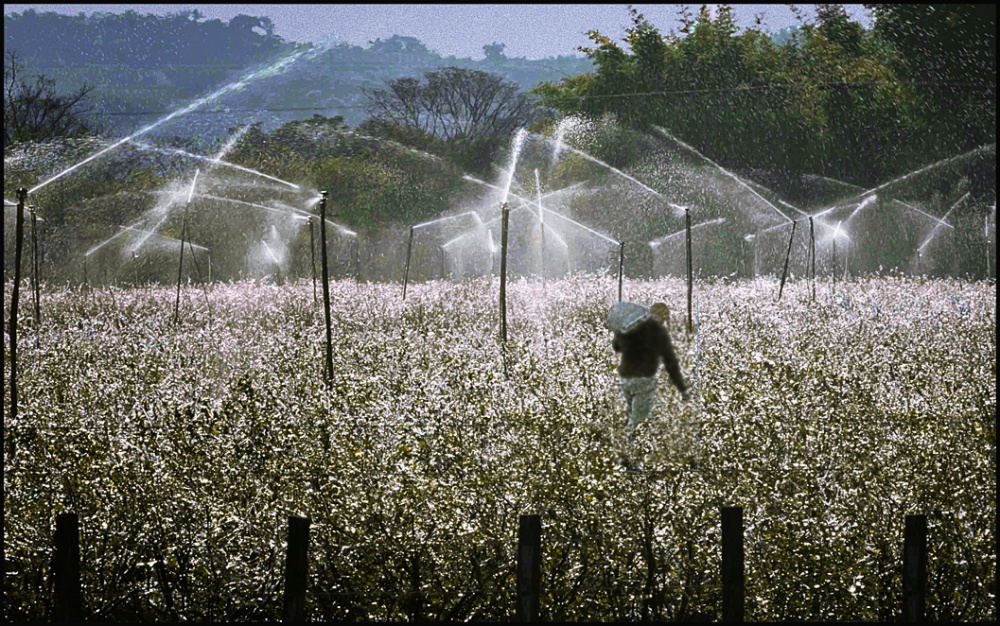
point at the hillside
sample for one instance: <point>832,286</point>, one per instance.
<point>136,82</point>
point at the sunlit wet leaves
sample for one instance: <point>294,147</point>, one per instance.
<point>185,450</point>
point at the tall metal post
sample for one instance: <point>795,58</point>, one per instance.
<point>15,295</point>
<point>812,255</point>
<point>541,224</point>
<point>312,257</point>
<point>326,289</point>
<point>180,267</point>
<point>406,272</point>
<point>36,286</point>
<point>788,253</point>
<point>505,212</point>
<point>690,272</point>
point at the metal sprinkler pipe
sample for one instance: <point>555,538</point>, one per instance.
<point>406,272</point>
<point>15,294</point>
<point>812,255</point>
<point>36,286</point>
<point>180,266</point>
<point>505,211</point>
<point>690,273</point>
<point>326,290</point>
<point>788,253</point>
<point>312,256</point>
<point>541,223</point>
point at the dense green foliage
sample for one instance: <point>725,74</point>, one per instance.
<point>185,449</point>
<point>836,99</point>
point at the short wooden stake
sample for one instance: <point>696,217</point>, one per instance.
<point>529,567</point>
<point>66,569</point>
<point>914,568</point>
<point>733,591</point>
<point>296,569</point>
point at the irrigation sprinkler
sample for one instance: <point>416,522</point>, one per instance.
<point>356,253</point>
<point>690,278</point>
<point>180,263</point>
<point>326,289</point>
<point>180,266</point>
<point>541,224</point>
<point>833,270</point>
<point>441,252</point>
<point>621,267</point>
<point>312,256</point>
<point>812,255</point>
<point>86,281</point>
<point>406,272</point>
<point>505,211</point>
<point>36,287</point>
<point>788,253</point>
<point>135,268</point>
<point>15,294</point>
<point>986,236</point>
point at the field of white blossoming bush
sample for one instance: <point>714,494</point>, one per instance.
<point>184,450</point>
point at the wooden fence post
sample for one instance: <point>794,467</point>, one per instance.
<point>732,564</point>
<point>296,569</point>
<point>529,567</point>
<point>66,569</point>
<point>914,568</point>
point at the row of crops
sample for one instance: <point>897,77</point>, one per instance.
<point>185,448</point>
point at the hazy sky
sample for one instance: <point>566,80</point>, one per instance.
<point>533,31</point>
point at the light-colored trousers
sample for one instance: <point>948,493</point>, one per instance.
<point>640,397</point>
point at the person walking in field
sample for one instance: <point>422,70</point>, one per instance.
<point>643,341</point>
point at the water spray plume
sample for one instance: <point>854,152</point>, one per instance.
<point>861,205</point>
<point>659,241</point>
<point>194,181</point>
<point>515,153</point>
<point>149,234</point>
<point>270,70</point>
<point>530,202</point>
<point>446,218</point>
<point>929,167</point>
<point>935,218</point>
<point>216,161</point>
<point>723,170</point>
<point>794,208</point>
<point>231,143</point>
<point>270,252</point>
<point>562,146</point>
<point>937,226</point>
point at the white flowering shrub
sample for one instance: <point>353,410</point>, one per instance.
<point>184,450</point>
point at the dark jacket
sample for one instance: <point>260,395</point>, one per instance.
<point>642,348</point>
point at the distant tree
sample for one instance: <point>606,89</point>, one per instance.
<point>454,103</point>
<point>494,52</point>
<point>33,110</point>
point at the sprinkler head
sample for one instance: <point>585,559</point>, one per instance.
<point>22,194</point>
